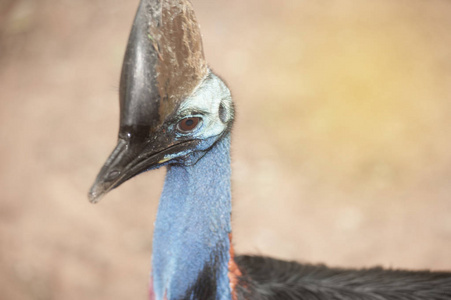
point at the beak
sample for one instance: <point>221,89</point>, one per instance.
<point>129,159</point>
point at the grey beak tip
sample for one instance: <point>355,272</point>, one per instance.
<point>94,196</point>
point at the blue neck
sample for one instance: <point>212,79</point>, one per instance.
<point>191,238</point>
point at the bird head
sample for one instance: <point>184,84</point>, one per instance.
<point>172,107</point>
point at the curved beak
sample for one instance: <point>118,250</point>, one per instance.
<point>130,158</point>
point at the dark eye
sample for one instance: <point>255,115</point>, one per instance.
<point>188,124</point>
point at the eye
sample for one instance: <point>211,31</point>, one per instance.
<point>188,124</point>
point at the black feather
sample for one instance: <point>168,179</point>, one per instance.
<point>272,279</point>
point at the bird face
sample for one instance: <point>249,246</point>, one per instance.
<point>206,115</point>
<point>182,137</point>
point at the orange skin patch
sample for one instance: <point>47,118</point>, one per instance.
<point>234,271</point>
<point>151,291</point>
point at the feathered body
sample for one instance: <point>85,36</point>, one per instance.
<point>272,279</point>
<point>176,113</point>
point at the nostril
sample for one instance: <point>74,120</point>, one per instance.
<point>113,175</point>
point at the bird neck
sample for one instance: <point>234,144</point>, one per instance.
<point>192,255</point>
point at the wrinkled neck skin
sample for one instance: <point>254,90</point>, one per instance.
<point>191,238</point>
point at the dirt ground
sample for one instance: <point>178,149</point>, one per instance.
<point>341,149</point>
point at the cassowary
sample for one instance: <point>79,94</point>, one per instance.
<point>175,112</point>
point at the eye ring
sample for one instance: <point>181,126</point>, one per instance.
<point>188,124</point>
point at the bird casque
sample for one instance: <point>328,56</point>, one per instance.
<point>175,112</point>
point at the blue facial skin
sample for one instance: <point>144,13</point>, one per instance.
<point>193,222</point>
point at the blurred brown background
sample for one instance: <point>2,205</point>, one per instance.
<point>341,150</point>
